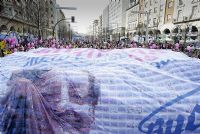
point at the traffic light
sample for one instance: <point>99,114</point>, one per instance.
<point>73,19</point>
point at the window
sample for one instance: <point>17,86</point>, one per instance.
<point>161,7</point>
<point>169,17</point>
<point>194,1</point>
<point>149,21</point>
<point>15,12</point>
<point>154,21</point>
<point>132,2</point>
<point>160,19</point>
<point>146,5</point>
<point>194,12</point>
<point>180,2</point>
<point>170,4</point>
<point>150,11</point>
<point>180,15</point>
<point>51,2</point>
<point>155,10</point>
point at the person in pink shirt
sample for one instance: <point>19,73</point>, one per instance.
<point>177,47</point>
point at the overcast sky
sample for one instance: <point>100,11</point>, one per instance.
<point>87,11</point>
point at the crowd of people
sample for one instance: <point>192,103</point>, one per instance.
<point>10,46</point>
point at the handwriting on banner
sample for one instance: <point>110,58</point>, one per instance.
<point>37,60</point>
<point>160,126</point>
<point>162,63</point>
<point>88,55</point>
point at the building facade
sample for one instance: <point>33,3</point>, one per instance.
<point>187,19</point>
<point>132,19</point>
<point>161,20</point>
<point>19,16</point>
<point>141,9</point>
<point>47,10</point>
<point>28,17</point>
<point>100,28</point>
<point>156,10</point>
<point>168,26</point>
<point>95,28</point>
<point>105,23</point>
<point>117,18</point>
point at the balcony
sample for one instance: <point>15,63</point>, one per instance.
<point>1,3</point>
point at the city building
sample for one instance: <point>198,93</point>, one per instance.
<point>156,10</point>
<point>89,36</point>
<point>105,23</point>
<point>132,19</point>
<point>141,16</point>
<point>95,29</point>
<point>100,28</point>
<point>117,18</point>
<point>187,19</point>
<point>161,20</point>
<point>168,26</point>
<point>28,17</point>
<point>20,16</point>
<point>47,17</point>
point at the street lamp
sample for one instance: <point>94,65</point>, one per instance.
<point>147,28</point>
<point>72,20</point>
